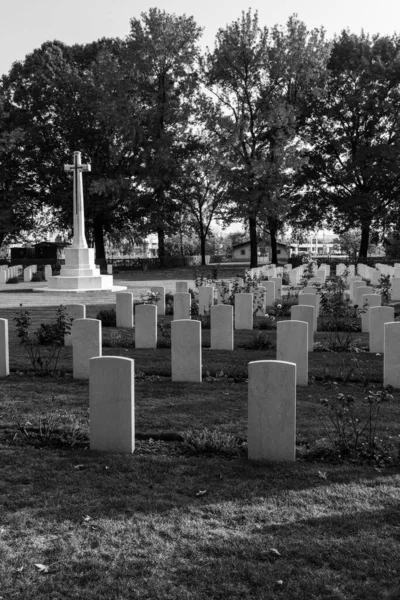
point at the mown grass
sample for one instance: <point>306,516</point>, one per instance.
<point>169,522</point>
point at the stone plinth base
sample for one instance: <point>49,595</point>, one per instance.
<point>80,274</point>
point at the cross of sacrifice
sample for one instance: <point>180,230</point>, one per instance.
<point>79,240</point>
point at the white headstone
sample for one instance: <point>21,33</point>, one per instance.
<point>3,276</point>
<point>292,346</point>
<point>270,291</point>
<point>159,289</point>
<point>4,356</point>
<point>278,286</point>
<point>28,274</point>
<point>182,301</point>
<point>222,327</point>
<point>378,316</point>
<point>244,311</point>
<point>74,311</point>
<point>146,326</point>
<point>310,300</point>
<point>109,269</point>
<point>186,350</point>
<point>181,287</point>
<point>86,344</point>
<point>48,271</point>
<point>112,404</point>
<point>391,361</point>
<point>359,292</point>
<point>395,292</point>
<point>206,299</point>
<point>272,411</point>
<point>302,312</point>
<point>124,309</point>
<point>367,302</point>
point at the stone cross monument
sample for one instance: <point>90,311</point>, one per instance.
<point>79,239</point>
<point>79,273</point>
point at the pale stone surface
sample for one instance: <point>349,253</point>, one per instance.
<point>278,286</point>
<point>294,277</point>
<point>367,302</point>
<point>186,350</point>
<point>340,268</point>
<point>182,287</point>
<point>378,316</point>
<point>321,273</point>
<point>146,326</point>
<point>310,300</point>
<point>272,411</point>
<point>375,276</point>
<point>182,301</point>
<point>206,299</point>
<point>28,274</point>
<point>359,292</point>
<point>353,289</point>
<point>86,344</point>
<point>124,309</point>
<point>244,311</point>
<point>34,268</point>
<point>391,361</point>
<point>395,292</point>
<point>222,327</point>
<point>112,404</point>
<point>3,276</point>
<point>159,289</point>
<point>109,269</point>
<point>270,292</point>
<point>292,346</point>
<point>48,272</point>
<point>75,311</point>
<point>4,353</point>
<point>79,271</point>
<point>305,313</point>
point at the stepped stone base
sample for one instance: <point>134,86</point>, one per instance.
<point>80,274</point>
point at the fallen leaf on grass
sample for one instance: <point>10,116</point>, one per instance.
<point>279,582</point>
<point>323,474</point>
<point>201,492</point>
<point>42,568</point>
<point>79,467</point>
<point>87,518</point>
<point>275,551</point>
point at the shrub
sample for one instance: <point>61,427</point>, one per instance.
<point>260,341</point>
<point>169,304</point>
<point>207,441</point>
<point>351,424</point>
<point>43,360</point>
<point>108,317</point>
<point>38,276</point>
<point>337,315</point>
<point>13,280</point>
<point>384,289</point>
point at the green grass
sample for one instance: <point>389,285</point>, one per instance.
<point>170,522</point>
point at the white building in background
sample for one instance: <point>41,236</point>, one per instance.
<point>319,242</point>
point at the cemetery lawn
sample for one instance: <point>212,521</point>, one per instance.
<point>185,520</point>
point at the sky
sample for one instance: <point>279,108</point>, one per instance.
<point>27,24</point>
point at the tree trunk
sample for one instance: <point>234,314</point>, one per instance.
<point>253,242</point>
<point>365,232</point>
<point>272,232</point>
<point>98,236</point>
<point>203,248</point>
<point>161,246</point>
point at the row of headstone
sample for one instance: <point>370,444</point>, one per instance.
<point>7,273</point>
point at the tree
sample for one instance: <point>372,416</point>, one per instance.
<point>58,95</point>
<point>158,71</point>
<point>352,178</point>
<point>257,79</point>
<point>202,192</point>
